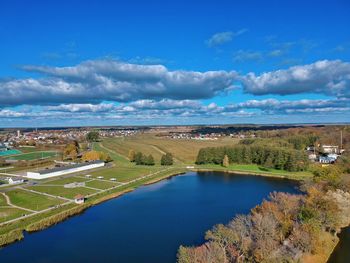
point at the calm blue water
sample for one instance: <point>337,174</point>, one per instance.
<point>341,253</point>
<point>149,224</point>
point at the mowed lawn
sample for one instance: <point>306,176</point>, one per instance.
<point>184,150</point>
<point>63,192</point>
<point>32,201</point>
<point>2,200</point>
<point>33,156</point>
<point>11,213</point>
<point>125,174</point>
<point>101,184</point>
<point>67,180</point>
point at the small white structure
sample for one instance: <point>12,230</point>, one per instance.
<point>330,148</point>
<point>79,199</point>
<point>113,179</point>
<point>65,170</point>
<point>15,180</point>
<point>99,177</point>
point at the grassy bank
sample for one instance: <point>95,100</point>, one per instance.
<point>253,169</point>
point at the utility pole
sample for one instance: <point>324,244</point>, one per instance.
<point>341,140</point>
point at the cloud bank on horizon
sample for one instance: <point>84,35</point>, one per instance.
<point>114,89</point>
<point>173,62</point>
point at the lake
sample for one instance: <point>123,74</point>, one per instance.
<point>341,254</point>
<point>150,223</point>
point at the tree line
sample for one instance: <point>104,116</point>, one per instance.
<point>142,159</point>
<point>268,156</point>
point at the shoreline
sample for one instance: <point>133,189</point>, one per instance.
<point>17,234</point>
<point>51,220</point>
<point>240,172</point>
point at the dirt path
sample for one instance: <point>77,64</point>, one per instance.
<point>8,201</point>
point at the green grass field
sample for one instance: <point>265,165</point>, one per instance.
<point>11,213</point>
<point>63,192</point>
<point>2,200</point>
<point>33,156</point>
<point>124,174</point>
<point>32,201</point>
<point>10,152</point>
<point>67,180</point>
<point>100,184</point>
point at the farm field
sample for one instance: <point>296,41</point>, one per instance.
<point>184,150</point>
<point>34,155</point>
<point>31,201</point>
<point>61,191</point>
<point>9,213</point>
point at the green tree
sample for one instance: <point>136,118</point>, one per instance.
<point>149,160</point>
<point>139,158</point>
<point>225,161</point>
<point>71,151</point>
<point>167,159</point>
<point>131,155</point>
<point>93,136</point>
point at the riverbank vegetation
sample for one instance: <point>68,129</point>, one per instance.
<point>284,228</point>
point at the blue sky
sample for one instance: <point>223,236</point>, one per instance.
<point>173,62</point>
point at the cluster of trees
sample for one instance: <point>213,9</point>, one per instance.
<point>96,155</point>
<point>141,159</point>
<point>71,151</point>
<point>93,136</point>
<point>268,156</point>
<point>285,228</point>
<point>167,159</point>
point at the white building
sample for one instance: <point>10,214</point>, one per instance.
<point>15,180</point>
<point>79,199</point>
<point>330,148</point>
<point>65,170</point>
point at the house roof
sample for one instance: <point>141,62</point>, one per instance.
<point>79,196</point>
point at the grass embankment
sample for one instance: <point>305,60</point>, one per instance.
<point>11,237</point>
<point>254,169</point>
